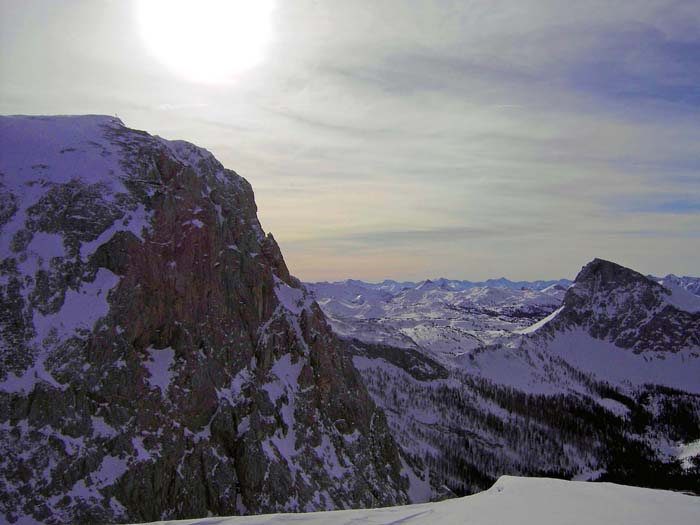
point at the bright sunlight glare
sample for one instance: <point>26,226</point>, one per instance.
<point>208,41</point>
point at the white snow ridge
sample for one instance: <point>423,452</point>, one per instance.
<point>512,500</point>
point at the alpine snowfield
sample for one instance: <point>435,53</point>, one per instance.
<point>525,501</point>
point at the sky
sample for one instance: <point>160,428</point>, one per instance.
<point>408,139</point>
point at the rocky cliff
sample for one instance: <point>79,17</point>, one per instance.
<point>157,358</point>
<point>617,304</point>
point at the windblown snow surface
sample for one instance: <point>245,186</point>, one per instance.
<point>526,501</point>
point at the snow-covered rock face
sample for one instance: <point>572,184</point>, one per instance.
<point>624,328</point>
<point>616,304</point>
<point>158,360</point>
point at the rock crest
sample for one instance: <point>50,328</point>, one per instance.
<point>616,304</point>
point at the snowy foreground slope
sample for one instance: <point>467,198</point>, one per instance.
<point>512,500</point>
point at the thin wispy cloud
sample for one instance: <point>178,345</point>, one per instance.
<point>676,206</point>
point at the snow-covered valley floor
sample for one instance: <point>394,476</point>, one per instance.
<point>512,500</point>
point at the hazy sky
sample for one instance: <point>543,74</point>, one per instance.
<point>410,139</point>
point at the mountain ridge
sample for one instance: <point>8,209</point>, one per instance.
<point>449,284</point>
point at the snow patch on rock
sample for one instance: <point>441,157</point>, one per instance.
<point>159,365</point>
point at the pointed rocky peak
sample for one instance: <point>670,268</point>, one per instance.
<point>608,288</point>
<point>617,304</point>
<point>601,283</point>
<point>607,274</point>
<point>605,286</point>
<point>427,285</point>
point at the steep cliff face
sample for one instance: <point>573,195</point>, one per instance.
<point>157,358</point>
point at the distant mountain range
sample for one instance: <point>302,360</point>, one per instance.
<point>597,380</point>
<point>430,316</point>
<point>452,284</point>
<point>692,284</point>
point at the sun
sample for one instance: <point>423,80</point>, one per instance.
<point>210,41</point>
